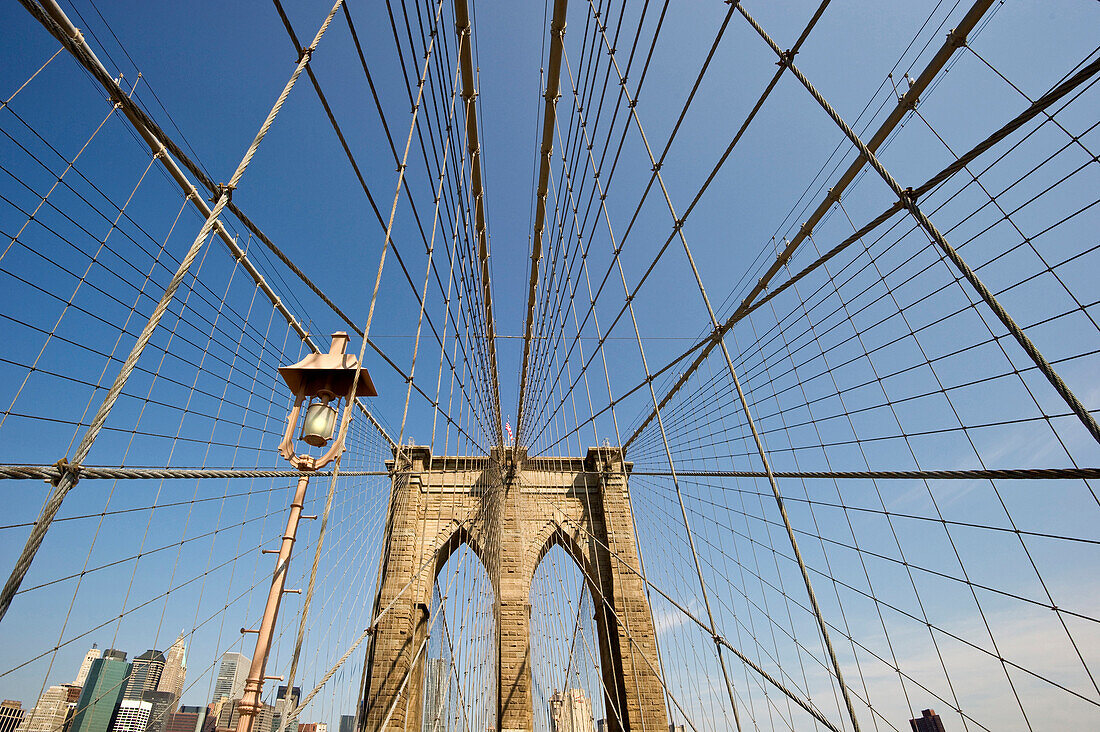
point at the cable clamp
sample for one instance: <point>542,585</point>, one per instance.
<point>786,58</point>
<point>64,466</point>
<point>305,53</point>
<point>909,195</point>
<point>77,36</point>
<point>632,103</point>
<point>956,39</point>
<point>223,189</point>
<point>656,167</point>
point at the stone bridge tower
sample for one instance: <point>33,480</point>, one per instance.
<point>510,511</point>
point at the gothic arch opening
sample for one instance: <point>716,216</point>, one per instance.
<point>459,672</point>
<point>567,687</point>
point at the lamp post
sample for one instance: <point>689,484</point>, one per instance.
<point>319,382</point>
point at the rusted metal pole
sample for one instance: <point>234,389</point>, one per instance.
<point>250,704</point>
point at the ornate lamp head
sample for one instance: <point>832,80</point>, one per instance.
<point>321,380</point>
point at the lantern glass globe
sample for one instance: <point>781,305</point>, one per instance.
<point>319,424</point>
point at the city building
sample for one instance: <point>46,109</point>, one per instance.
<point>190,719</point>
<point>676,728</point>
<point>101,693</point>
<point>231,676</point>
<point>86,664</point>
<point>928,721</point>
<point>11,715</point>
<point>174,674</point>
<point>435,690</point>
<point>601,725</point>
<point>145,674</point>
<point>228,715</point>
<point>571,711</point>
<point>162,703</point>
<point>53,711</point>
<point>132,715</point>
<point>284,707</point>
<point>347,723</point>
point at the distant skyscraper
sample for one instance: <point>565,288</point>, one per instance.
<point>52,710</point>
<point>174,675</point>
<point>347,723</point>
<point>285,707</point>
<point>163,703</point>
<point>182,721</point>
<point>86,664</point>
<point>435,688</point>
<point>145,674</point>
<point>929,721</point>
<point>190,719</point>
<point>132,716</point>
<point>231,676</point>
<point>571,712</point>
<point>11,715</point>
<point>229,714</point>
<point>101,693</point>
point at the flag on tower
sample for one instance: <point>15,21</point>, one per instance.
<point>508,427</point>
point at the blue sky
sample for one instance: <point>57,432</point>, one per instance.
<point>832,389</point>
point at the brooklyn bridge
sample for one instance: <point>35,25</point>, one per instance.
<point>583,366</point>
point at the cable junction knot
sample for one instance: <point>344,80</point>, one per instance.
<point>956,39</point>
<point>63,466</point>
<point>909,195</point>
<point>786,58</point>
<point>305,53</point>
<point>223,189</point>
